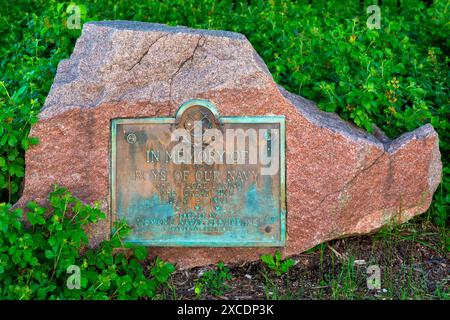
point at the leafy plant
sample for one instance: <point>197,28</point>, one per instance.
<point>276,264</point>
<point>35,257</point>
<point>213,281</point>
<point>395,77</point>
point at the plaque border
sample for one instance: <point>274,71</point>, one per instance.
<point>280,119</point>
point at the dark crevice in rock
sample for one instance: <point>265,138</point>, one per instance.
<point>188,59</point>
<point>138,62</point>
<point>351,180</point>
<point>182,64</point>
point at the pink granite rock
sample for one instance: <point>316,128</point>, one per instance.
<point>341,181</point>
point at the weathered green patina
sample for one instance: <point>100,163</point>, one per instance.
<point>173,196</point>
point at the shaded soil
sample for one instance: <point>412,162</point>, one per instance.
<point>413,261</point>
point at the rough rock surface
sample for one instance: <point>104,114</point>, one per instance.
<point>341,181</point>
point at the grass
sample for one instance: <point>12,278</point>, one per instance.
<point>306,47</point>
<point>413,265</point>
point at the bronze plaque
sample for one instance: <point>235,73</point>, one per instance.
<point>200,179</point>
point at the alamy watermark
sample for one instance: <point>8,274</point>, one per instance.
<point>212,146</point>
<point>374,19</point>
<point>76,12</point>
<point>74,279</point>
<point>373,277</point>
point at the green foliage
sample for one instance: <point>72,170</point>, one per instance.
<point>34,258</point>
<point>343,284</point>
<point>276,264</point>
<point>213,281</point>
<point>30,49</point>
<point>395,77</point>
